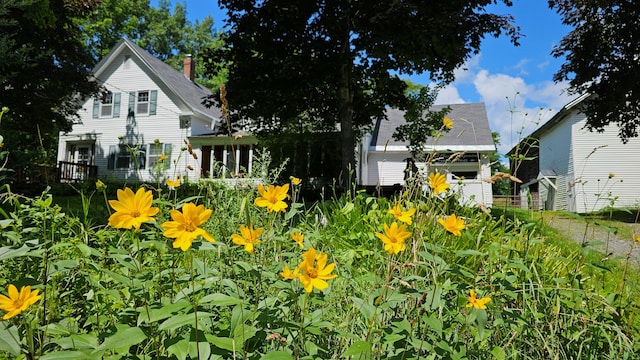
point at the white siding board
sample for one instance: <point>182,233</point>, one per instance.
<point>597,154</point>
<point>554,155</point>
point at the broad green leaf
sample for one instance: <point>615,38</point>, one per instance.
<point>78,342</point>
<point>244,333</point>
<point>224,343</point>
<point>469,252</point>
<point>5,222</point>
<point>123,339</point>
<point>29,248</point>
<point>498,353</point>
<point>70,355</point>
<point>359,348</point>
<point>367,310</point>
<point>156,312</point>
<point>179,349</point>
<point>10,340</point>
<point>348,207</point>
<point>219,300</point>
<point>277,355</point>
<point>181,320</point>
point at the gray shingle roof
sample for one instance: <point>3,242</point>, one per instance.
<point>470,127</point>
<point>190,92</point>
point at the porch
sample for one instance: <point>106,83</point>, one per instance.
<point>76,172</point>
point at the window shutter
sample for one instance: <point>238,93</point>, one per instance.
<point>116,105</point>
<point>111,162</point>
<point>96,108</point>
<point>167,153</point>
<point>153,101</point>
<point>141,156</point>
<point>132,103</point>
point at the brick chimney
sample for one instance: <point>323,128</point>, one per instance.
<point>189,68</point>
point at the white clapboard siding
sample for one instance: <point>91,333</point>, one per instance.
<point>592,170</point>
<point>596,157</point>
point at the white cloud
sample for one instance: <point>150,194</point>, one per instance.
<point>449,95</point>
<point>515,105</point>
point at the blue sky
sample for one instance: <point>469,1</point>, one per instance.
<point>502,76</point>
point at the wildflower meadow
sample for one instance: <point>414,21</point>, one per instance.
<point>251,271</point>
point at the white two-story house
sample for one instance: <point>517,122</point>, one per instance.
<point>149,125</point>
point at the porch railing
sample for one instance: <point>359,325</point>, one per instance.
<point>75,172</point>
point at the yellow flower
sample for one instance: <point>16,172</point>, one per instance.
<point>638,238</point>
<point>394,237</point>
<point>272,197</point>
<point>174,183</point>
<point>132,209</point>
<point>404,216</point>
<point>16,302</point>
<point>612,175</point>
<point>287,274</point>
<point>452,224</point>
<point>100,186</point>
<point>298,238</point>
<point>248,238</point>
<point>163,157</point>
<point>447,122</point>
<point>295,180</point>
<point>438,182</point>
<point>314,271</point>
<point>475,302</point>
<point>184,227</point>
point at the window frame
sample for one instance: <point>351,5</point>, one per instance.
<point>146,102</point>
<point>153,157</point>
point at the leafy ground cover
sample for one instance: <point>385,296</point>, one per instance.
<point>418,276</point>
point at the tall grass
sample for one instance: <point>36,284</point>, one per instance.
<point>117,293</point>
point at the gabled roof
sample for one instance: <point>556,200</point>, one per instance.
<point>189,92</point>
<point>558,117</point>
<point>470,130</point>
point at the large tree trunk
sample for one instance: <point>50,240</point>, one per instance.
<point>347,136</point>
<point>345,110</point>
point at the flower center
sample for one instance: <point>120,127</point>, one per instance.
<point>17,303</point>
<point>135,213</point>
<point>190,227</point>
<point>312,273</point>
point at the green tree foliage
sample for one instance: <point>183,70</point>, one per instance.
<point>44,69</point>
<point>602,59</point>
<point>337,61</point>
<point>165,32</point>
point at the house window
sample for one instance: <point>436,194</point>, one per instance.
<point>108,105</point>
<point>123,157</point>
<point>464,175</point>
<point>142,104</point>
<point>155,152</point>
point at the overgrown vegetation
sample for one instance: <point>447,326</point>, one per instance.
<point>125,293</point>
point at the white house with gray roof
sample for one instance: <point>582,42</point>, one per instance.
<point>150,111</point>
<point>462,153</point>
